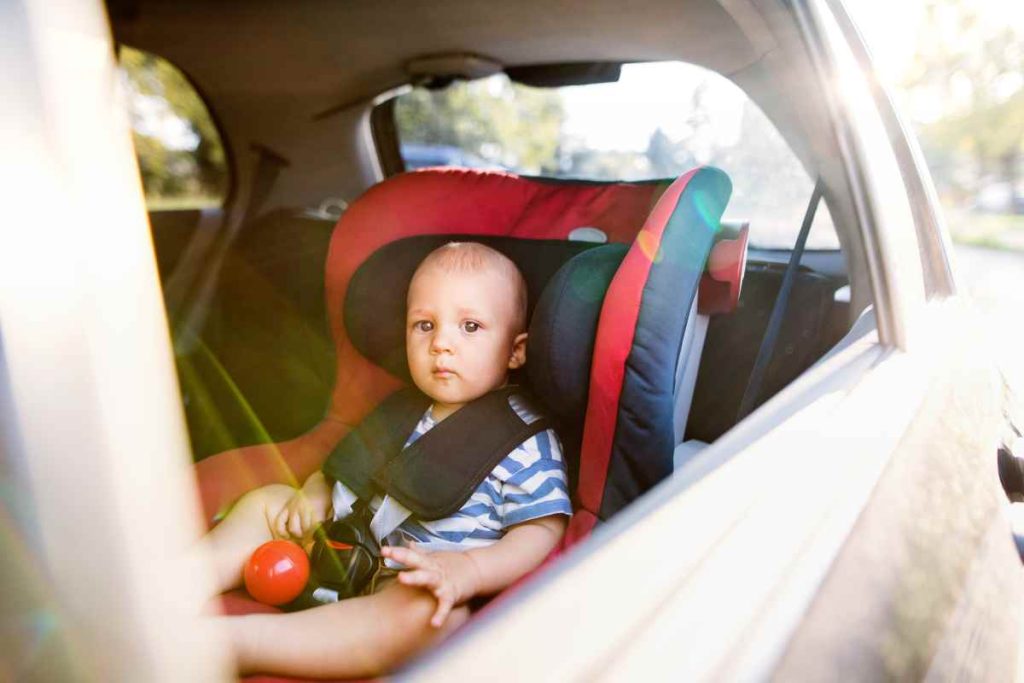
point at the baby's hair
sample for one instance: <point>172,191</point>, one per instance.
<point>471,257</point>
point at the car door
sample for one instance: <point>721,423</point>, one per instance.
<point>101,580</point>
<point>852,527</point>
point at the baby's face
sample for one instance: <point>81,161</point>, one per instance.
<point>459,335</point>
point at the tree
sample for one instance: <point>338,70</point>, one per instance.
<point>974,68</point>
<point>661,152</point>
<point>192,164</point>
<point>494,119</point>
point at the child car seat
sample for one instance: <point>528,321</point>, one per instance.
<point>386,232</point>
<point>632,305</point>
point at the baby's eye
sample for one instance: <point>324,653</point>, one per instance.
<point>470,326</point>
<point>423,325</point>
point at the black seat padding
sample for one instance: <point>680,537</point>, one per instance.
<point>733,340</point>
<point>561,344</point>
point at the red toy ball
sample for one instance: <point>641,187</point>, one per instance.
<point>277,572</point>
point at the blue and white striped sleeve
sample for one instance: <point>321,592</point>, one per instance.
<point>537,485</point>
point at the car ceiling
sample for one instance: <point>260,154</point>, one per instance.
<point>272,72</point>
<point>320,54</point>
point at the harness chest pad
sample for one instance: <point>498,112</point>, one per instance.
<point>381,433</point>
<point>436,474</point>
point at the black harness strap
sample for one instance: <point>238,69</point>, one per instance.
<point>438,473</point>
<point>381,433</point>
<point>764,354</point>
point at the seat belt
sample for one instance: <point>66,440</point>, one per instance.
<point>389,515</point>
<point>266,167</point>
<point>764,354</point>
<point>188,268</point>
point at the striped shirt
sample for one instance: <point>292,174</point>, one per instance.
<point>529,483</point>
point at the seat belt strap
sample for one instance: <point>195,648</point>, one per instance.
<point>187,269</point>
<point>389,516</point>
<point>343,500</point>
<point>764,354</point>
<point>267,166</point>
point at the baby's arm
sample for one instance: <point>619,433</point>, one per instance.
<point>455,577</point>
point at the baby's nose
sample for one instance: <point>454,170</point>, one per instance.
<point>441,341</point>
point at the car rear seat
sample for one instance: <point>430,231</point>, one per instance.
<point>733,342</point>
<point>172,232</point>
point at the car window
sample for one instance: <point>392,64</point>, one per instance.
<point>657,121</point>
<point>885,210</point>
<point>179,150</point>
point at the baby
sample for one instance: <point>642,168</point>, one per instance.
<point>465,329</point>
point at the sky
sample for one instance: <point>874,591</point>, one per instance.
<point>597,113</point>
<point>892,28</point>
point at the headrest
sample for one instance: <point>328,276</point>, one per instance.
<point>374,310</point>
<point>563,328</point>
<point>629,434</point>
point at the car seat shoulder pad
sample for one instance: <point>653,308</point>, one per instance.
<point>435,475</point>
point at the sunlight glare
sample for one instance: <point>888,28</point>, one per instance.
<point>642,96</point>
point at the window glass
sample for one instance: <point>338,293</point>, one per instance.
<point>658,120</point>
<point>179,150</point>
<point>884,191</point>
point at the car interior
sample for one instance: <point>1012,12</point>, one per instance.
<point>281,297</point>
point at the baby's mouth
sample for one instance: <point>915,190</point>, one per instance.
<point>443,373</point>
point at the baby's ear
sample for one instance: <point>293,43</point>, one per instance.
<point>518,352</point>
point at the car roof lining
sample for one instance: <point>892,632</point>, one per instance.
<point>354,50</point>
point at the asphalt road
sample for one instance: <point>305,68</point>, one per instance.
<point>994,281</point>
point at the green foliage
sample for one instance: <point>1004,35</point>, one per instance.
<point>1003,232</point>
<point>497,120</point>
<point>187,168</point>
<point>974,67</point>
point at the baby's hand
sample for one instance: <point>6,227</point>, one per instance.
<point>308,507</point>
<point>449,576</point>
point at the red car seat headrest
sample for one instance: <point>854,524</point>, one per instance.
<point>630,387</point>
<point>466,203</point>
